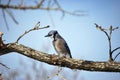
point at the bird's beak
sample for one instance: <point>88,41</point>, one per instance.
<point>47,35</point>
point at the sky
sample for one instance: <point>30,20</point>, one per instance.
<point>84,40</point>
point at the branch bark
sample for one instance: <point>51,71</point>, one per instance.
<point>63,62</point>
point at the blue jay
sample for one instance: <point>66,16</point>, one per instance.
<point>59,44</point>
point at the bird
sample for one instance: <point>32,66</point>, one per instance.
<point>59,44</point>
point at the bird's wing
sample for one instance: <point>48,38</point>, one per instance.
<point>67,48</point>
<point>61,46</point>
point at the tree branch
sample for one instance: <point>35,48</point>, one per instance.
<point>52,5</point>
<point>63,62</point>
<point>116,56</point>
<point>36,27</point>
<point>47,5</point>
<point>11,15</point>
<point>115,49</point>
<point>5,20</point>
<point>4,65</point>
<point>108,37</point>
<point>111,29</point>
<point>8,6</point>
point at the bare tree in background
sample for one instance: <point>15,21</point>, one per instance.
<point>47,5</point>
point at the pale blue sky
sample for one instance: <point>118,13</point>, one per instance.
<point>84,40</point>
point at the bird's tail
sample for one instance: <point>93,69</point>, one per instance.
<point>70,55</point>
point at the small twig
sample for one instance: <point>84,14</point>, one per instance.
<point>115,49</point>
<point>4,65</point>
<point>99,27</point>
<point>59,69</point>
<point>36,27</point>
<point>63,78</point>
<point>21,3</point>
<point>22,7</point>
<point>8,2</point>
<point>11,15</point>
<point>51,18</point>
<point>108,37</point>
<point>4,17</point>
<point>58,74</point>
<point>111,29</point>
<point>116,56</point>
<point>66,12</point>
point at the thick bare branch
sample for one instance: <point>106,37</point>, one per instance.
<point>63,62</point>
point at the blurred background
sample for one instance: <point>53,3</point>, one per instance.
<point>74,20</point>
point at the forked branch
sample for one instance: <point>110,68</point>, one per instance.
<point>108,34</point>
